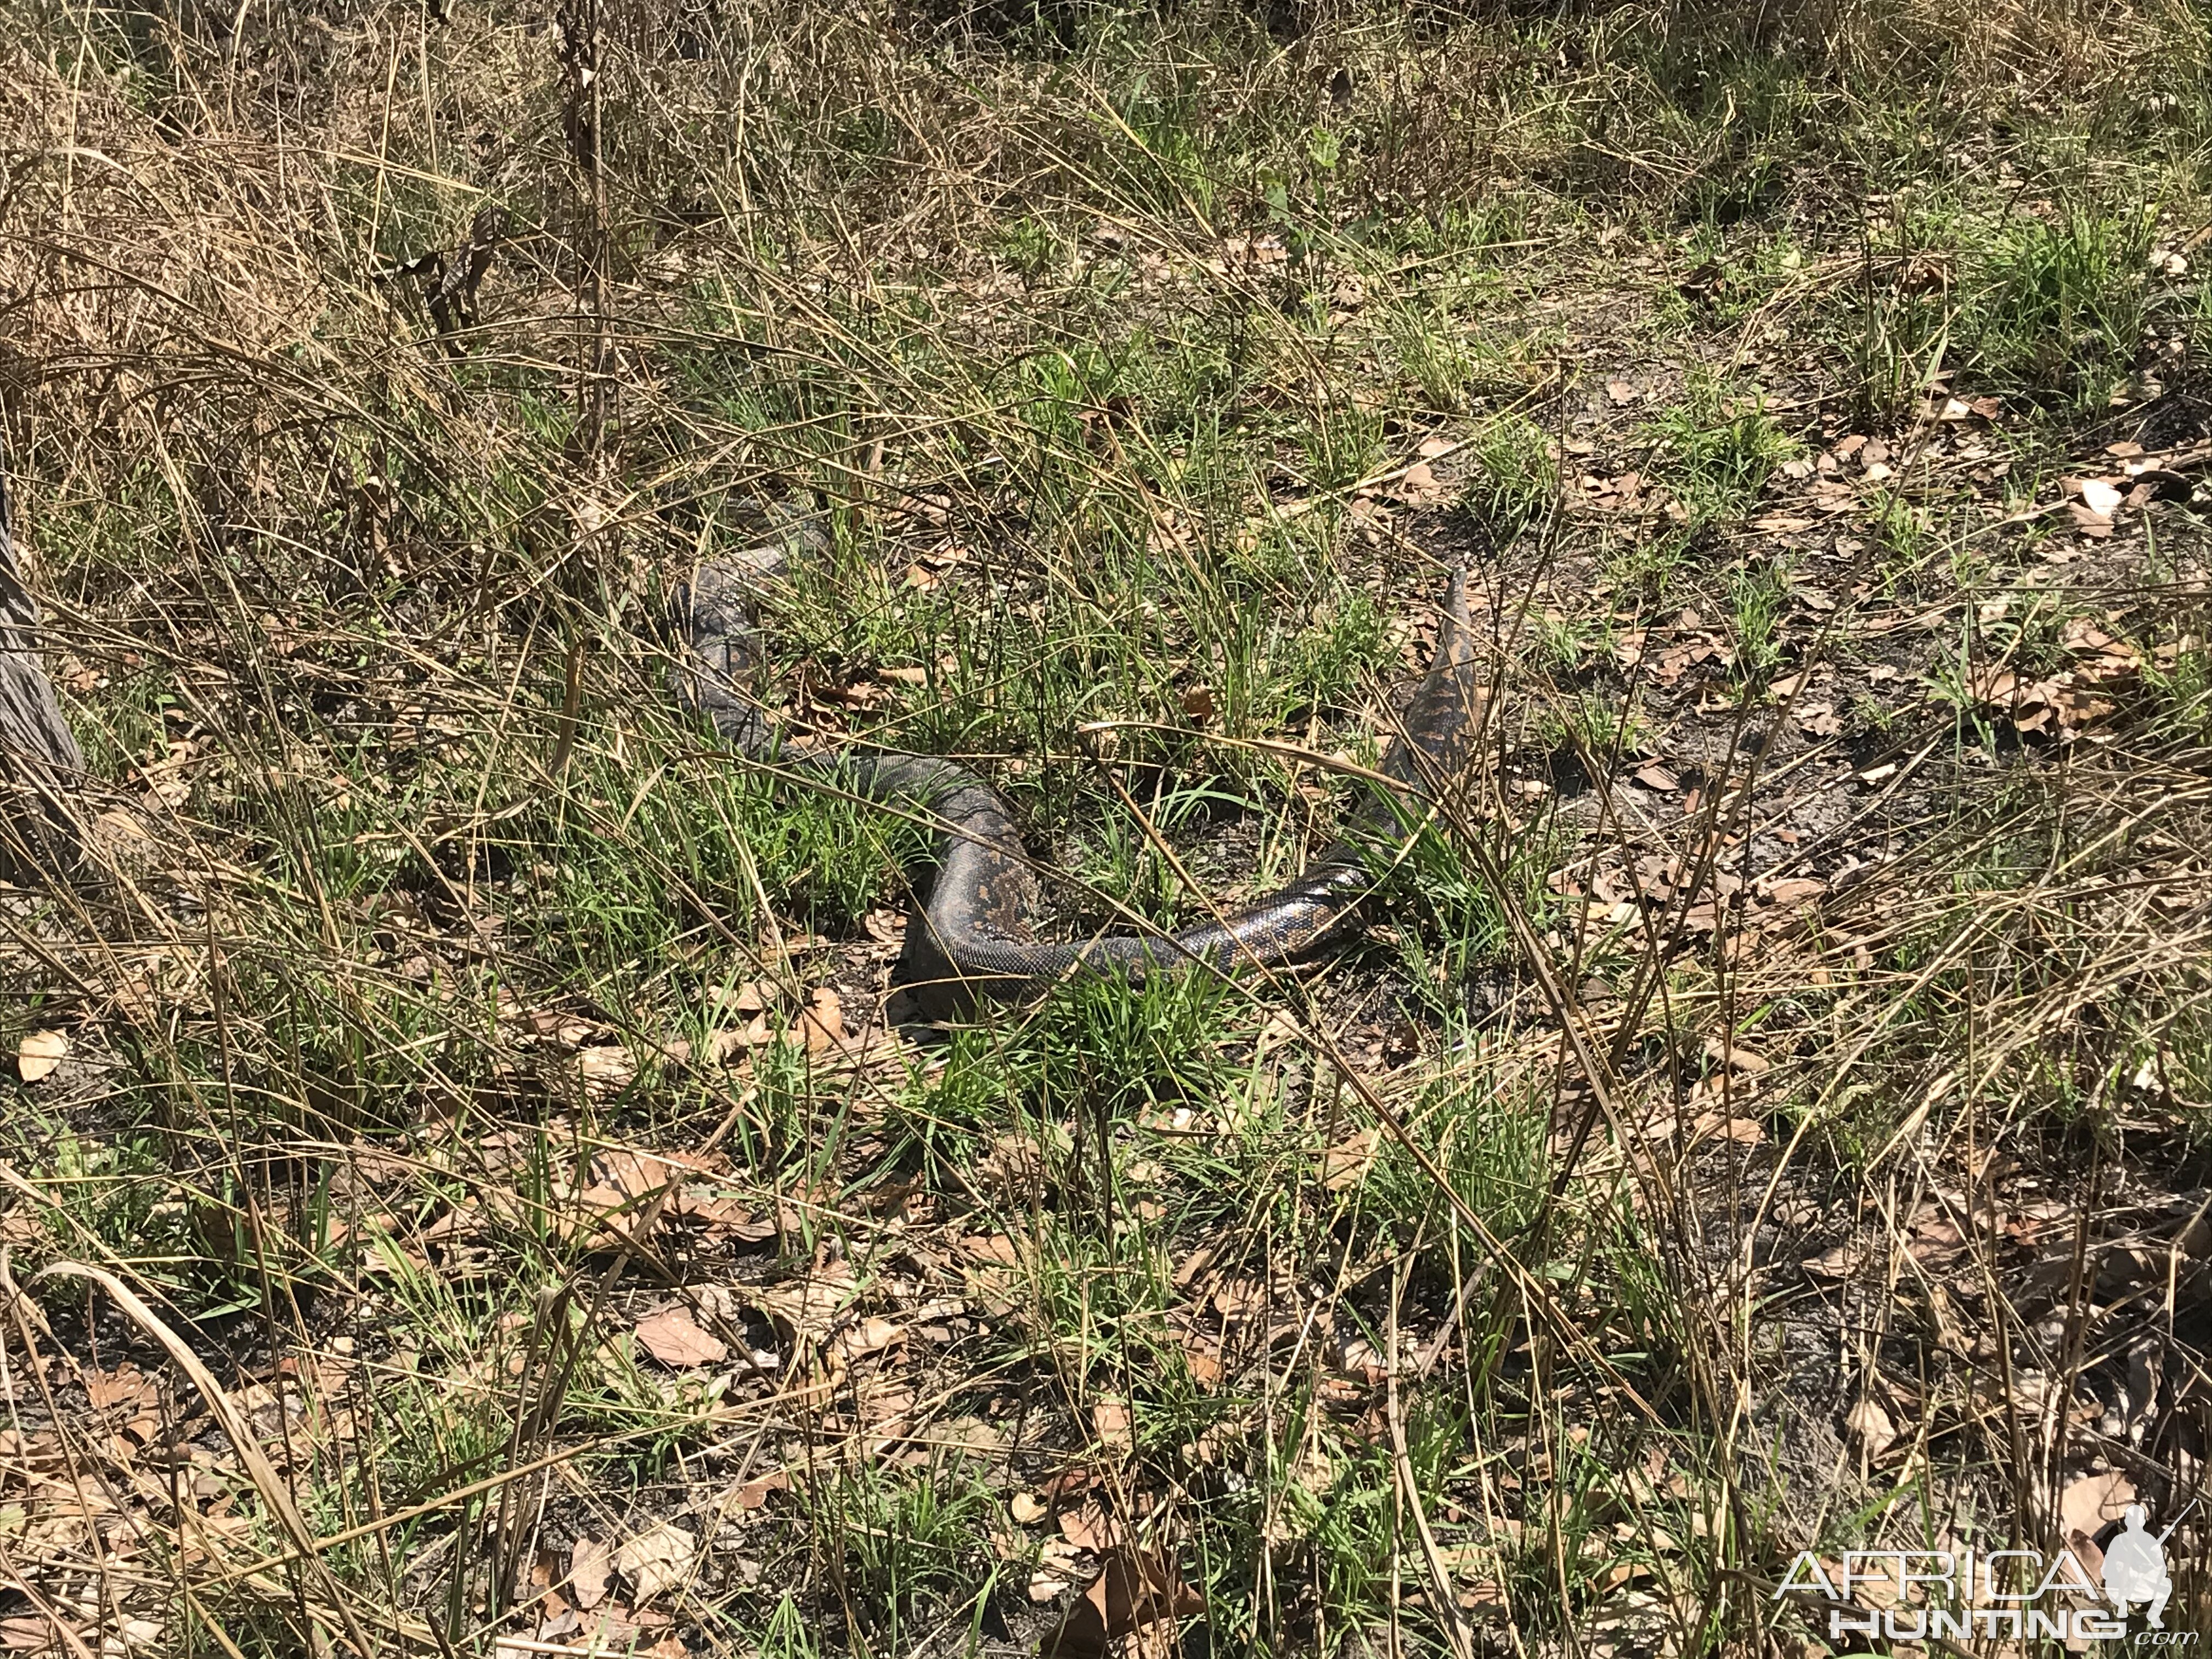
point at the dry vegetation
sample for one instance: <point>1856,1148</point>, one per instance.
<point>473,1186</point>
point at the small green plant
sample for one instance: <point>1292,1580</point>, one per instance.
<point>1031,245</point>
<point>1587,723</point>
<point>1342,444</point>
<point>1118,1044</point>
<point>2060,301</point>
<point>1717,447</point>
<point>1756,594</point>
<point>1513,478</point>
<point>894,1545</point>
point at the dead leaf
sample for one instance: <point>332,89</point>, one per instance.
<point>1737,1056</point>
<point>1346,1164</point>
<point>1870,1426</point>
<point>869,1335</point>
<point>1110,1420</point>
<point>40,1053</point>
<point>658,1561</point>
<point>1136,1602</point>
<point>1743,1131</point>
<point>126,1385</point>
<point>1818,719</point>
<point>1198,703</point>
<point>823,1022</point>
<point>2087,1503</point>
<point>674,1337</point>
<point>1203,1359</point>
<point>2098,496</point>
<point>1059,1566</point>
<point>1090,1528</point>
<point>1794,892</point>
<point>1839,1263</point>
<point>994,1248</point>
<point>1025,1509</point>
<point>588,1562</point>
<point>754,1494</point>
<point>1419,484</point>
<point>607,1069</point>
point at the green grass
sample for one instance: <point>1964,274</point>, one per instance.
<point>1717,449</point>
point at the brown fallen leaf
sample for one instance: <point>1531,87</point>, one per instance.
<point>994,1248</point>
<point>754,1494</point>
<point>1132,1608</point>
<point>723,1218</point>
<point>2085,1505</point>
<point>607,1069</point>
<point>1203,1360</point>
<point>1344,1165</point>
<point>1198,703</point>
<point>658,1561</point>
<point>1115,1429</point>
<point>674,1337</point>
<point>1026,1509</point>
<point>1420,484</point>
<point>1839,1263</point>
<point>589,1562</point>
<point>1743,1131</point>
<point>1871,1428</point>
<point>1059,1566</point>
<point>1737,1056</point>
<point>1090,1528</point>
<point>1818,719</point>
<point>40,1053</point>
<point>746,997</point>
<point>823,1025</point>
<point>1188,1269</point>
<point>32,1634</point>
<point>1796,891</point>
<point>869,1335</point>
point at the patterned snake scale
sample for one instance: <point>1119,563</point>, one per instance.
<point>976,933</point>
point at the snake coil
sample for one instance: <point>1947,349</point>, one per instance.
<point>976,933</point>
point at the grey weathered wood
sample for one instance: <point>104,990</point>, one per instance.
<point>41,766</point>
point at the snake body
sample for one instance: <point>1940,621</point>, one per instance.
<point>976,933</point>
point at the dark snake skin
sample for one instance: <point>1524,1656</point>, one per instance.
<point>976,933</point>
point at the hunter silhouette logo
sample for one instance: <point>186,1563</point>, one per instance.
<point>2135,1568</point>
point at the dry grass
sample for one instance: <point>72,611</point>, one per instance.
<point>1766,1114</point>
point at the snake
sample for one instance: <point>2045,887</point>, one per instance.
<point>977,933</point>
